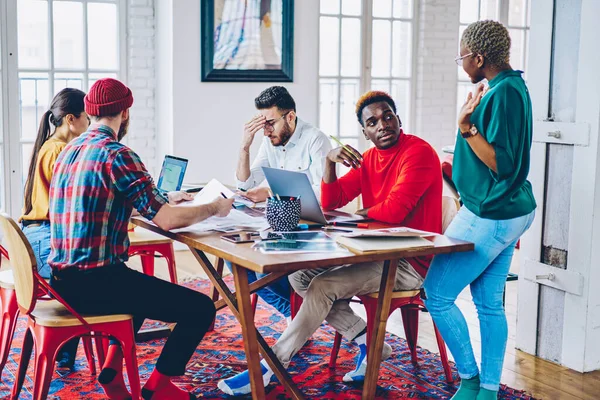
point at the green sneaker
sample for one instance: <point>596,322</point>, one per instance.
<point>485,394</point>
<point>468,390</point>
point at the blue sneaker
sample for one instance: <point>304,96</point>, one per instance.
<point>358,375</point>
<point>240,384</point>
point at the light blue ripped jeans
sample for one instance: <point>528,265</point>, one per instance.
<point>485,269</point>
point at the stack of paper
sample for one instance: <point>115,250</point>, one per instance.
<point>399,232</point>
<point>361,245</point>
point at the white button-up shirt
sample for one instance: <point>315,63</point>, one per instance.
<point>304,152</point>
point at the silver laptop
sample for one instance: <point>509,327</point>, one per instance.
<point>296,184</point>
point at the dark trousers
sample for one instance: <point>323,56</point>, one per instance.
<point>117,289</point>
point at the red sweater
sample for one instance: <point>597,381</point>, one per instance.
<point>401,185</point>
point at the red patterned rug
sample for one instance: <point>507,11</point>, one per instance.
<point>221,355</point>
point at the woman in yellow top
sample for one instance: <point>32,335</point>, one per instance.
<point>69,119</point>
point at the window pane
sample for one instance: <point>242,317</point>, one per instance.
<point>403,8</point>
<point>330,6</point>
<point>526,55</point>
<point>468,11</point>
<point>34,101</point>
<point>329,46</point>
<point>26,149</point>
<point>348,97</point>
<point>68,34</point>
<point>65,80</point>
<point>381,84</point>
<point>402,54</point>
<point>516,49</point>
<point>517,13</point>
<point>32,24</point>
<point>103,45</point>
<point>489,9</point>
<point>350,47</point>
<point>381,48</point>
<point>93,77</point>
<point>382,8</point>
<point>528,13</point>
<point>401,95</point>
<point>352,7</point>
<point>328,105</point>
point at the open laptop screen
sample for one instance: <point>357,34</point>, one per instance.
<point>171,173</point>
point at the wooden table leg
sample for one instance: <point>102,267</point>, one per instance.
<point>228,297</point>
<point>240,277</point>
<point>388,279</point>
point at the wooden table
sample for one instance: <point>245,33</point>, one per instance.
<point>242,257</point>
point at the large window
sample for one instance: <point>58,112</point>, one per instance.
<point>363,45</point>
<point>61,43</point>
<point>514,14</point>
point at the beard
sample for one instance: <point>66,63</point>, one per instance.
<point>123,129</point>
<point>285,135</point>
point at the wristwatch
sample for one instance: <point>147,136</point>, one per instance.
<point>471,132</point>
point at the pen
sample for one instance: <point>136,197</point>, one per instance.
<point>223,194</point>
<point>278,198</point>
<point>242,190</point>
<point>352,224</point>
<point>193,190</point>
<point>304,227</point>
<point>330,229</point>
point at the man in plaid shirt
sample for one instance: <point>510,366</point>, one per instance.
<point>96,185</point>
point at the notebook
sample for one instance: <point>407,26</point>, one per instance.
<point>378,244</point>
<point>398,232</point>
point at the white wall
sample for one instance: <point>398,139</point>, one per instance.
<point>207,118</point>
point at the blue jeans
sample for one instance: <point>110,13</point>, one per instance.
<point>277,294</point>
<point>485,269</point>
<point>39,238</point>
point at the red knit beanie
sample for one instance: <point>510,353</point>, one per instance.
<point>107,97</point>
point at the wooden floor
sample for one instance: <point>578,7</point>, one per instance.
<point>540,378</point>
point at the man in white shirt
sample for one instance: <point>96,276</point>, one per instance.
<point>288,143</point>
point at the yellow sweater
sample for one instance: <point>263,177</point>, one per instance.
<point>41,180</point>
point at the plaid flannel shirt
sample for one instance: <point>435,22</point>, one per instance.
<point>96,184</point>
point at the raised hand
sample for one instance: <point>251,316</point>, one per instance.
<point>473,100</point>
<point>250,128</point>
<point>346,155</point>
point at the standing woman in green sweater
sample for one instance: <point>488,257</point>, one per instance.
<point>491,163</point>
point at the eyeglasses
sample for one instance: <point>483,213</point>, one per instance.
<point>459,59</point>
<point>270,125</point>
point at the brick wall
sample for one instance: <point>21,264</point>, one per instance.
<point>436,73</point>
<point>141,79</point>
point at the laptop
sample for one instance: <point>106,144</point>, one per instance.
<point>296,184</point>
<point>171,173</point>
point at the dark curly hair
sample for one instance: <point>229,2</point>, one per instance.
<point>490,39</point>
<point>275,96</point>
<point>370,97</point>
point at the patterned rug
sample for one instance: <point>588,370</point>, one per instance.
<point>221,355</point>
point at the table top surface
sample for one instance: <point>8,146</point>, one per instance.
<point>242,254</point>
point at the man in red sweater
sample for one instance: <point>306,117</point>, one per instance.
<point>400,181</point>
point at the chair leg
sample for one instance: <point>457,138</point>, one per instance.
<point>148,262</point>
<point>45,354</point>
<point>410,320</point>
<point>26,349</point>
<point>10,313</point>
<point>254,301</point>
<point>335,349</point>
<point>99,342</point>
<point>169,256</point>
<point>131,365</point>
<point>443,355</point>
<point>89,354</point>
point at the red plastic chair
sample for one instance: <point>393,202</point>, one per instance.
<point>53,322</point>
<point>145,244</point>
<point>10,314</point>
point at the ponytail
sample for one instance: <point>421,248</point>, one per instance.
<point>42,136</point>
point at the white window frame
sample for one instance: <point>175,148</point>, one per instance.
<point>13,143</point>
<point>365,77</point>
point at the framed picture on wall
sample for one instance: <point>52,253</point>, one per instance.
<point>247,40</point>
